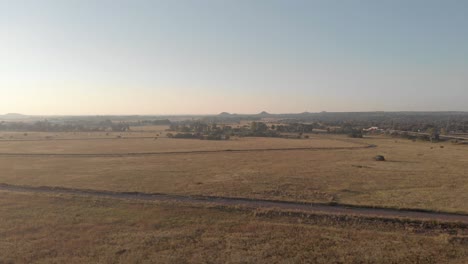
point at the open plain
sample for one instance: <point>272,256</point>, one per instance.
<point>323,169</point>
<point>418,175</point>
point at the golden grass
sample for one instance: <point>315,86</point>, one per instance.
<point>58,229</point>
<point>161,145</point>
<point>415,175</point>
<point>4,136</point>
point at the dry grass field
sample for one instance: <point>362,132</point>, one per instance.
<point>57,229</point>
<point>142,145</point>
<point>28,136</point>
<point>416,174</point>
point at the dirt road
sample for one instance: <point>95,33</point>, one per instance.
<point>333,209</point>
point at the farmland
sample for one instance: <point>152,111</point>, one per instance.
<point>319,168</point>
<point>238,132</point>
<point>416,174</point>
<point>73,229</point>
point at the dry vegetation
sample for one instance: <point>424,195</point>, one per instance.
<point>28,136</point>
<point>45,229</point>
<point>415,175</point>
<point>63,228</point>
<point>139,145</point>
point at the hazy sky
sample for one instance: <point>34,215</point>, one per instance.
<point>159,57</point>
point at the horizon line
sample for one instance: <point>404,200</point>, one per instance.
<point>228,113</point>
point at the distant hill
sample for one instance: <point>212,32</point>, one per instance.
<point>13,116</point>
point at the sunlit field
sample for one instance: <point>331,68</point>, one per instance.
<point>335,169</point>
<point>57,229</point>
<point>237,132</point>
<point>137,144</point>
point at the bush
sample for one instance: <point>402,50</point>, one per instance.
<point>355,134</point>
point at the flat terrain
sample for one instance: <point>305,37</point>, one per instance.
<point>144,145</point>
<point>339,210</point>
<point>416,174</point>
<point>72,226</point>
<point>58,229</point>
<point>36,136</point>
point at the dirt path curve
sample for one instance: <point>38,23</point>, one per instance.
<point>334,209</point>
<point>132,154</point>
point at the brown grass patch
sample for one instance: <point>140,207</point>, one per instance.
<point>77,230</point>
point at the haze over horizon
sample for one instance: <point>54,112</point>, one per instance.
<point>265,113</point>
<point>207,57</point>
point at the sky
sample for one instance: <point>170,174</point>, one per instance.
<point>87,57</point>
